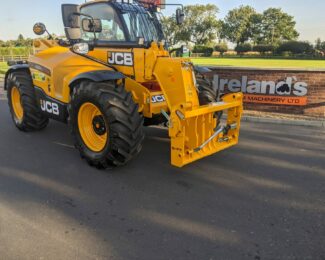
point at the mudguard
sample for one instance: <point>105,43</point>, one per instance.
<point>98,76</point>
<point>15,67</point>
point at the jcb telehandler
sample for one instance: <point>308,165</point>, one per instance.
<point>112,76</point>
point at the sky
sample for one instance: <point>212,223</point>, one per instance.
<point>19,16</point>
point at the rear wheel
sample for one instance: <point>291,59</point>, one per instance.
<point>206,92</point>
<point>105,123</point>
<point>25,112</point>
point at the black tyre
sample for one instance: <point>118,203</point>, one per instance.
<point>105,123</point>
<point>24,109</point>
<point>206,92</point>
<point>155,120</point>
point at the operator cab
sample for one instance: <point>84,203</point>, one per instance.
<point>114,24</point>
<point>122,23</point>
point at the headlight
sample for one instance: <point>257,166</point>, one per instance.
<point>81,48</point>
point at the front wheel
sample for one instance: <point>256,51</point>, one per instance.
<point>105,123</point>
<point>24,109</point>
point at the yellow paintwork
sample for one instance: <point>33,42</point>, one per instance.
<point>86,115</point>
<point>64,66</point>
<point>198,125</point>
<point>16,103</point>
<point>190,124</point>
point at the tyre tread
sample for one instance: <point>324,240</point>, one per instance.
<point>125,122</point>
<point>33,118</point>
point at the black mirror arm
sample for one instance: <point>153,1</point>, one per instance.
<point>50,35</point>
<point>82,14</point>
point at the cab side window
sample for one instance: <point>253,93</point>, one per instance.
<point>112,29</point>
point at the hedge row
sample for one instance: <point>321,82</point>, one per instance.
<point>288,48</point>
<point>203,49</point>
<point>23,51</point>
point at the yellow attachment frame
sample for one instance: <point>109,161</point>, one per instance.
<point>197,126</point>
<point>192,128</point>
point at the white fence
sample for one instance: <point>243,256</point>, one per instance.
<point>6,58</point>
<point>197,55</point>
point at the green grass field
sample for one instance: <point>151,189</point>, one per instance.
<point>261,63</point>
<point>3,67</point>
<point>242,62</point>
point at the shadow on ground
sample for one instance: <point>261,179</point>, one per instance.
<point>263,199</point>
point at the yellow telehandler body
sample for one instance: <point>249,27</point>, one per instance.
<point>105,80</point>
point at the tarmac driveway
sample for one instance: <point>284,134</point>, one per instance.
<point>263,199</point>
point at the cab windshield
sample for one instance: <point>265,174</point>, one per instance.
<point>123,23</point>
<point>112,27</point>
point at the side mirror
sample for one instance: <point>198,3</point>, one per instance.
<point>89,25</point>
<point>70,15</point>
<point>179,16</point>
<point>39,28</point>
<point>71,21</point>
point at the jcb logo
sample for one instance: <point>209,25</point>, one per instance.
<point>120,58</point>
<point>50,107</point>
<point>158,99</point>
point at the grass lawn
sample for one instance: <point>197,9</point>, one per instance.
<point>3,67</point>
<point>260,63</point>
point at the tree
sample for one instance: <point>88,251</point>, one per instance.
<point>221,47</point>
<point>237,25</point>
<point>320,46</point>
<point>256,28</point>
<point>171,29</point>
<point>277,26</point>
<point>200,24</point>
<point>20,41</point>
<point>243,48</point>
<point>263,48</point>
<point>296,47</point>
<point>28,42</point>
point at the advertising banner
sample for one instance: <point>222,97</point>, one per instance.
<point>288,91</point>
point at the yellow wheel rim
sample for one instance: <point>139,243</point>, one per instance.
<point>16,103</point>
<point>92,127</point>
